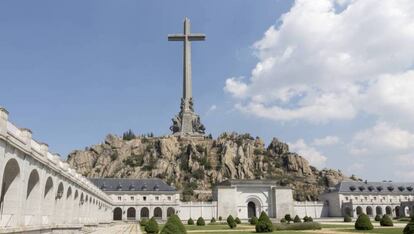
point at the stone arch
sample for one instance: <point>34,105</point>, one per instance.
<point>59,208</point>
<point>144,212</point>
<point>76,195</point>
<point>157,213</point>
<point>397,212</point>
<point>69,193</point>
<point>388,210</point>
<point>254,205</point>
<point>117,213</point>
<point>10,190</point>
<point>48,201</point>
<point>406,211</point>
<point>378,210</point>
<point>131,213</point>
<point>170,211</point>
<point>369,211</point>
<point>33,196</point>
<point>359,210</point>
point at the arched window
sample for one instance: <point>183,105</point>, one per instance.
<point>378,210</point>
<point>144,212</point>
<point>117,213</point>
<point>131,214</point>
<point>157,212</point>
<point>359,210</point>
<point>369,211</point>
<point>170,211</point>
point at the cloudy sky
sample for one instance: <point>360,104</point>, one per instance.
<point>333,78</point>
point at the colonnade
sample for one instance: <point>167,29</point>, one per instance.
<point>38,190</point>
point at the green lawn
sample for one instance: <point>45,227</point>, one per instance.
<point>375,230</point>
<point>217,227</point>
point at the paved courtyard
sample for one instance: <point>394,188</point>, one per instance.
<point>117,228</point>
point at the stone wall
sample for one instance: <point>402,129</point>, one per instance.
<point>312,209</point>
<point>41,192</point>
<point>194,210</point>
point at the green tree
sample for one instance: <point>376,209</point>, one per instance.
<point>152,226</point>
<point>253,220</point>
<point>409,229</point>
<point>128,135</point>
<point>264,224</point>
<point>230,221</point>
<point>297,219</point>
<point>201,222</point>
<point>363,223</point>
<point>386,221</point>
<point>347,219</point>
<point>237,220</point>
<point>288,218</point>
<point>213,220</point>
<point>190,221</point>
<point>173,226</point>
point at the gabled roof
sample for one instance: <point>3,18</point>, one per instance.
<point>359,187</point>
<point>117,184</point>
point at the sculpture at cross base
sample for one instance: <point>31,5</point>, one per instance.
<point>187,122</point>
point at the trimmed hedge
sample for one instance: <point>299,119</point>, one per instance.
<point>201,222</point>
<point>264,224</point>
<point>173,226</point>
<point>363,223</point>
<point>409,229</point>
<point>298,226</point>
<point>377,218</point>
<point>152,226</point>
<point>220,218</point>
<point>347,219</point>
<point>230,221</point>
<point>297,219</point>
<point>386,221</point>
<point>190,221</point>
<point>253,220</point>
<point>288,218</point>
<point>213,220</point>
<point>237,220</point>
<point>283,220</point>
<point>143,222</point>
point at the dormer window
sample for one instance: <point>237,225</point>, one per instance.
<point>119,187</point>
<point>131,187</point>
<point>352,188</point>
<point>401,188</point>
<point>144,187</point>
<point>156,187</point>
<point>409,188</point>
<point>380,188</point>
<point>361,188</point>
<point>371,188</point>
<point>390,188</point>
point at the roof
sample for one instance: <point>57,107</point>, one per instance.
<point>117,184</point>
<point>374,187</point>
<point>232,182</point>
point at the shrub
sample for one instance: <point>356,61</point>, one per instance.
<point>152,226</point>
<point>128,135</point>
<point>173,226</point>
<point>409,229</point>
<point>305,219</point>
<point>377,217</point>
<point>298,226</point>
<point>363,223</point>
<point>310,219</point>
<point>288,218</point>
<point>220,218</point>
<point>213,220</point>
<point>386,221</point>
<point>230,221</point>
<point>283,220</point>
<point>264,224</point>
<point>297,219</point>
<point>201,222</point>
<point>253,220</point>
<point>143,222</point>
<point>237,220</point>
<point>190,221</point>
<point>347,219</point>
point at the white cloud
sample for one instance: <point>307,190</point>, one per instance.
<point>383,138</point>
<point>310,153</point>
<point>212,108</point>
<point>322,64</point>
<point>236,87</point>
<point>326,141</point>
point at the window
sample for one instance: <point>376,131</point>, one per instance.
<point>169,198</point>
<point>132,198</point>
<point>119,198</point>
<point>144,198</point>
<point>375,198</point>
<point>366,198</point>
<point>157,198</point>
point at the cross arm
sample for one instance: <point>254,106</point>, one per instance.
<point>196,37</point>
<point>176,37</point>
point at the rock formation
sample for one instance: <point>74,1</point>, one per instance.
<point>196,165</point>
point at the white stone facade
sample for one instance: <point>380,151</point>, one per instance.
<point>41,193</point>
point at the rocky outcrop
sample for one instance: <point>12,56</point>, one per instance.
<point>198,164</point>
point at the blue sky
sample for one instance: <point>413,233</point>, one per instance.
<point>75,71</point>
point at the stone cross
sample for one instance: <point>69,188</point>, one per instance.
<point>187,122</point>
<point>187,37</point>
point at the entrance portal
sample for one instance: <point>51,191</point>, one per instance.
<point>251,209</point>
<point>117,213</point>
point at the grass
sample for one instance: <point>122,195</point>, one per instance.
<point>375,230</point>
<point>217,227</point>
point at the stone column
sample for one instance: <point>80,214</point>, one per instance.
<point>4,116</point>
